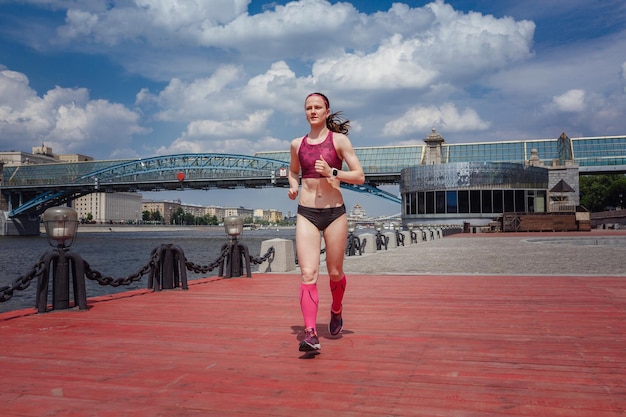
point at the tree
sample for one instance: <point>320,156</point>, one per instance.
<point>617,191</point>
<point>189,218</point>
<point>601,192</point>
<point>178,216</point>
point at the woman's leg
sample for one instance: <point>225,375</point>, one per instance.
<point>335,237</point>
<point>308,246</point>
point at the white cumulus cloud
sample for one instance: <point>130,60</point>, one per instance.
<point>212,74</point>
<point>445,118</point>
<point>571,101</point>
<point>64,118</point>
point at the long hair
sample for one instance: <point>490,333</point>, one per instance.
<point>334,121</point>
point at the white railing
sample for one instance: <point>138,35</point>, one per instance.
<point>562,207</point>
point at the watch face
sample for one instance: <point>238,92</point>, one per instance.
<point>335,172</point>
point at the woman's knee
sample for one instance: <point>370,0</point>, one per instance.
<point>335,274</point>
<point>309,276</point>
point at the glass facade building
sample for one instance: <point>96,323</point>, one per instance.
<point>471,191</point>
<point>478,181</point>
<point>592,154</point>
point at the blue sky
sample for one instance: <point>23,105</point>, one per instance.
<point>127,79</point>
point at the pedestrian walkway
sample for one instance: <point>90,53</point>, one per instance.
<point>419,343</point>
<point>599,252</point>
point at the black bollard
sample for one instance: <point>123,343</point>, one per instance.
<point>62,265</point>
<point>399,238</point>
<point>353,245</point>
<point>170,270</point>
<point>61,282</point>
<point>381,241</point>
<point>236,256</point>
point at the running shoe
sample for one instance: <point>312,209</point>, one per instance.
<point>336,323</point>
<point>310,342</point>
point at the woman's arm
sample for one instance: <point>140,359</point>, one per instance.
<point>294,170</point>
<point>345,151</point>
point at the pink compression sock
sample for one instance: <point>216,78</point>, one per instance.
<point>309,300</point>
<point>337,289</point>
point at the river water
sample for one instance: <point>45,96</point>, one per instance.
<point>121,254</point>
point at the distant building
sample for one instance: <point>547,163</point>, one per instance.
<point>357,212</point>
<point>109,207</point>
<point>73,157</point>
<point>272,215</point>
<point>216,211</point>
<point>195,210</point>
<point>435,191</point>
<point>168,208</point>
<point>40,155</point>
<point>18,158</point>
<point>238,211</point>
<point>164,208</point>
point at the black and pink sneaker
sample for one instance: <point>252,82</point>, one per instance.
<point>311,342</point>
<point>336,323</point>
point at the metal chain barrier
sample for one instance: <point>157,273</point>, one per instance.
<point>203,269</point>
<point>21,283</point>
<point>116,282</point>
<point>261,259</point>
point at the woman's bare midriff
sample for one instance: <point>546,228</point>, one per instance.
<point>320,193</point>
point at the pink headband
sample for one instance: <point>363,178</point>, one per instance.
<point>320,95</point>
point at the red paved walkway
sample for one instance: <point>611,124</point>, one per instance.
<point>413,346</point>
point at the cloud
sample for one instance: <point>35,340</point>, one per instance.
<point>65,119</point>
<point>403,51</point>
<point>229,136</point>
<point>427,38</point>
<point>394,65</point>
<point>212,75</point>
<point>146,20</point>
<point>254,123</point>
<point>445,118</point>
<point>14,90</point>
<point>571,101</point>
<point>190,144</point>
<point>183,101</point>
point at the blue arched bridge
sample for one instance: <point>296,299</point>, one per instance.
<point>31,189</point>
<point>28,190</point>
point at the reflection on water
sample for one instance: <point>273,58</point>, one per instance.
<point>120,254</point>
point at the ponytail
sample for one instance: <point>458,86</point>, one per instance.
<point>336,124</point>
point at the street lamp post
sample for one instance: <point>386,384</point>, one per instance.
<point>236,252</point>
<point>412,233</point>
<point>61,224</point>
<point>381,240</point>
<point>353,242</point>
<point>399,235</point>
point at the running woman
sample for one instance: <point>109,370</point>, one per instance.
<point>319,156</point>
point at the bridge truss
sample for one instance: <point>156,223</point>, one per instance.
<point>31,189</point>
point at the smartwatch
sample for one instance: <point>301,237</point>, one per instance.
<point>334,173</point>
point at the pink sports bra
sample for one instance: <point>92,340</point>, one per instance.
<point>308,154</point>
